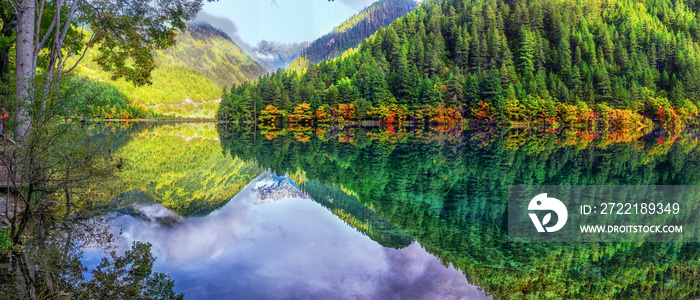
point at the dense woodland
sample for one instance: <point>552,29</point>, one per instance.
<point>353,31</point>
<point>449,191</point>
<point>551,61</point>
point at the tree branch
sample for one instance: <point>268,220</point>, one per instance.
<point>69,19</point>
<point>37,29</point>
<point>40,44</point>
<point>14,6</point>
<point>87,47</point>
<point>56,60</point>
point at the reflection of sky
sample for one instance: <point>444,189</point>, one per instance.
<point>292,249</point>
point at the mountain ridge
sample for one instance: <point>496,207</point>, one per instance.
<point>353,31</point>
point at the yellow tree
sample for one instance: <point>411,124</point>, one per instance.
<point>269,115</point>
<point>302,114</point>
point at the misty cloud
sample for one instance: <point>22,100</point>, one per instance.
<point>228,27</point>
<point>271,55</point>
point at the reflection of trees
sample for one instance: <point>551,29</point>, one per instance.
<point>351,210</point>
<point>179,166</point>
<point>450,194</point>
<point>51,267</point>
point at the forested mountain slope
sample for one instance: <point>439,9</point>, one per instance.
<point>353,31</point>
<point>212,53</point>
<point>552,60</point>
<point>203,61</point>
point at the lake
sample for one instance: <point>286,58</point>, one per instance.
<point>383,213</point>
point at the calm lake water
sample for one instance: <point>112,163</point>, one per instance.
<point>393,213</point>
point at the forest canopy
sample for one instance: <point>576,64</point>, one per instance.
<point>554,61</point>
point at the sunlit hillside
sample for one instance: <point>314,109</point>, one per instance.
<point>211,52</point>
<point>187,82</point>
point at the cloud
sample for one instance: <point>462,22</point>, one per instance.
<point>269,57</point>
<point>228,27</point>
<point>291,249</point>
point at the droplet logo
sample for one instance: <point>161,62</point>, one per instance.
<point>542,202</point>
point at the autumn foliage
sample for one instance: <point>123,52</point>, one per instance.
<point>269,115</point>
<point>388,114</point>
<point>482,112</point>
<point>347,111</point>
<point>302,114</point>
<point>444,115</point>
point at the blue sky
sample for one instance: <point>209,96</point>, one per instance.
<point>289,21</point>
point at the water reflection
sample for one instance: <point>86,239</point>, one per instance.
<point>448,190</point>
<point>285,248</point>
<point>372,193</point>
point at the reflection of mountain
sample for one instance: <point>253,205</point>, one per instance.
<point>292,249</point>
<point>449,191</point>
<point>189,176</point>
<point>273,188</point>
<point>355,214</point>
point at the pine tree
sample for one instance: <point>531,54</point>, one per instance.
<point>527,51</point>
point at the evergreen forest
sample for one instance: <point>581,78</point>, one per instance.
<point>552,62</point>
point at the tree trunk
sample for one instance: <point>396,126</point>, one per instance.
<point>24,67</point>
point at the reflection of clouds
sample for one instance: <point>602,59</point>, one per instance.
<point>156,212</point>
<point>193,238</point>
<point>292,249</point>
<point>414,274</point>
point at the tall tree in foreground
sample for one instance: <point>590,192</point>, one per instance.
<point>56,157</point>
<point>50,33</point>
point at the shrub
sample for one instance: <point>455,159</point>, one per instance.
<point>444,115</point>
<point>482,112</point>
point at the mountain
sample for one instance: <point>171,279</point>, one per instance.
<point>275,55</point>
<point>352,32</point>
<point>188,78</point>
<point>210,52</point>
<point>549,62</point>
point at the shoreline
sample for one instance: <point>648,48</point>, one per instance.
<point>156,120</point>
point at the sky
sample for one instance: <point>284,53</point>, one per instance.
<point>248,22</point>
